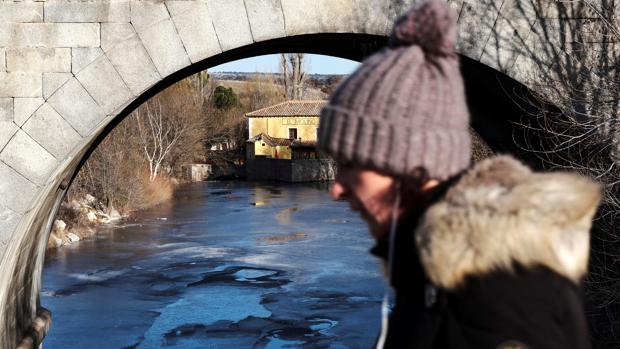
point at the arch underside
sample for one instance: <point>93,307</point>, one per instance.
<point>122,53</point>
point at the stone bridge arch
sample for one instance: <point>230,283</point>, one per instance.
<point>69,71</point>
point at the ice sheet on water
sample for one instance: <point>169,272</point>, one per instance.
<point>198,252</point>
<point>47,293</point>
<point>245,274</point>
<point>98,276</point>
<point>277,343</point>
<point>322,325</point>
<point>169,245</point>
<point>204,305</point>
<point>270,260</point>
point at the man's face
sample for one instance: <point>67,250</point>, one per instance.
<point>369,192</point>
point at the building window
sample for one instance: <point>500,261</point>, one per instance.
<point>292,133</point>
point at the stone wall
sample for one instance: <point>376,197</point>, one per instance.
<point>68,69</point>
<point>196,172</point>
<point>296,170</point>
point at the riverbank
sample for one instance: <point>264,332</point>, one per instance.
<point>77,220</point>
<point>80,214</point>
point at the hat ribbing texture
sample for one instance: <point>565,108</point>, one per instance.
<point>404,108</point>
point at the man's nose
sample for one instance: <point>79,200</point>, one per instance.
<point>337,191</point>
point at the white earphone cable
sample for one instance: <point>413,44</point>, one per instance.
<point>386,298</point>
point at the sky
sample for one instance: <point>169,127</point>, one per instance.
<point>316,64</point>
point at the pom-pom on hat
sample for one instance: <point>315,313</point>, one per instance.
<point>431,25</point>
<point>404,108</point>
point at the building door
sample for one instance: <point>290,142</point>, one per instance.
<point>292,133</point>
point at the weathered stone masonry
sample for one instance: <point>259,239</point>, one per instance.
<point>69,68</point>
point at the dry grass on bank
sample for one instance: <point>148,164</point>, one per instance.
<point>157,192</point>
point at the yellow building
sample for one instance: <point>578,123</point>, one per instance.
<point>284,131</point>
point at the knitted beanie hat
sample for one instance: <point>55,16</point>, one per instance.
<point>404,108</point>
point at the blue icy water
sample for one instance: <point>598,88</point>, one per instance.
<point>223,265</point>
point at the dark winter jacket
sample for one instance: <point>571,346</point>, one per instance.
<point>495,262</point>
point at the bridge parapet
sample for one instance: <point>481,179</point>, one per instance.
<point>69,69</point>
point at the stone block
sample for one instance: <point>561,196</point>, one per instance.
<point>51,35</point>
<point>583,30</point>
<point>24,107</point>
<point>195,28</point>
<point>86,11</point>
<point>53,81</point>
<point>544,59</point>
<point>7,130</point>
<point>579,9</point>
<point>231,23</point>
<point>529,65</point>
<point>8,222</point>
<point>38,59</point>
<point>145,14</point>
<point>266,19</point>
<point>5,33</point>
<point>476,22</point>
<point>6,109</point>
<point>29,158</point>
<point>20,84</point>
<point>337,16</point>
<point>15,190</point>
<point>456,5</point>
<point>83,56</point>
<point>165,47</point>
<point>114,33</point>
<point>51,131</point>
<point>134,65</point>
<point>2,59</point>
<point>397,8</point>
<point>104,84</point>
<point>301,18</point>
<point>21,12</point>
<point>509,36</point>
<point>7,127</point>
<point>76,106</point>
<point>354,16</point>
<point>179,7</point>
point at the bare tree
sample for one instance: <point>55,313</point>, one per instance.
<point>158,134</point>
<point>112,173</point>
<point>293,75</point>
<point>185,103</point>
<point>284,75</point>
<point>296,60</point>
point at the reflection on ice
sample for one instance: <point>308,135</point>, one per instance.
<point>266,260</point>
<point>285,216</point>
<point>277,343</point>
<point>197,252</point>
<point>322,325</point>
<point>246,274</point>
<point>205,305</point>
<point>97,276</point>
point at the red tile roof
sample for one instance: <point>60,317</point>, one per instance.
<point>271,141</point>
<point>290,108</point>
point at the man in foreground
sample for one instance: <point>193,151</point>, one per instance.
<point>485,257</point>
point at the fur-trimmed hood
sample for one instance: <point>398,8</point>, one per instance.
<point>501,213</point>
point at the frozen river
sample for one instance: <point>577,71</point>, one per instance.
<point>223,265</point>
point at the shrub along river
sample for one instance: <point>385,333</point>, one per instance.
<point>222,265</point>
